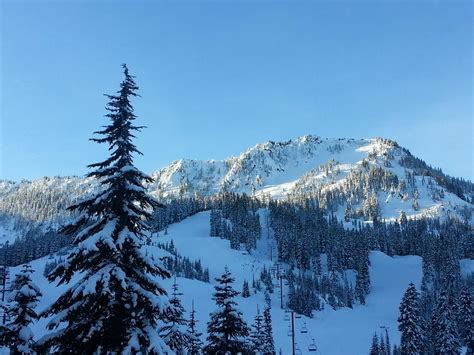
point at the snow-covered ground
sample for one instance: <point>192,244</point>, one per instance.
<point>7,232</point>
<point>345,331</point>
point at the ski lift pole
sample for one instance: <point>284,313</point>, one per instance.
<point>281,291</point>
<point>293,331</point>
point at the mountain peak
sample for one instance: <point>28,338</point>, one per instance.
<point>341,173</point>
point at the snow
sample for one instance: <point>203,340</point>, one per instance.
<point>103,236</point>
<point>467,267</point>
<point>7,232</point>
<point>191,238</point>
<point>25,334</point>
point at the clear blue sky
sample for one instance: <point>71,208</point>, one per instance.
<point>217,77</point>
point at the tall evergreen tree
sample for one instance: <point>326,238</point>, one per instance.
<point>226,329</point>
<point>245,289</point>
<point>118,302</point>
<point>382,347</point>
<point>362,286</point>
<point>375,346</point>
<point>444,327</point>
<point>257,335</point>
<point>195,344</point>
<point>466,314</point>
<point>175,337</point>
<point>410,323</point>
<point>268,343</point>
<point>17,335</point>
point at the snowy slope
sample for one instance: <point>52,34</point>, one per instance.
<point>389,276</point>
<point>273,167</point>
<point>345,331</point>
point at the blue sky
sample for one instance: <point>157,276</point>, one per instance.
<point>217,77</point>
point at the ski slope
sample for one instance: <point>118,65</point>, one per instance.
<point>345,331</point>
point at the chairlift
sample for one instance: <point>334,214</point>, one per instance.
<point>298,316</point>
<point>304,329</point>
<point>287,317</point>
<point>290,331</point>
<point>312,347</point>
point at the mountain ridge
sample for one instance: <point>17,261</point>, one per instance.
<point>344,174</point>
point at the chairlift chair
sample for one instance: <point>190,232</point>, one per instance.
<point>298,316</point>
<point>304,329</point>
<point>312,347</point>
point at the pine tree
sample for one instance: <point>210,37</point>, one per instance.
<point>375,347</point>
<point>268,343</point>
<point>382,345</point>
<point>257,335</point>
<point>195,344</point>
<point>444,327</point>
<point>245,290</point>
<point>410,322</point>
<point>466,314</point>
<point>226,327</point>
<point>172,334</point>
<point>362,286</point>
<point>214,220</point>
<point>118,301</point>
<point>17,335</point>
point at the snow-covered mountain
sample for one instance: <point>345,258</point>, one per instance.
<point>348,176</point>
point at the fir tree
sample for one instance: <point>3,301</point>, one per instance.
<point>362,286</point>
<point>382,346</point>
<point>214,220</point>
<point>375,347</point>
<point>268,343</point>
<point>410,322</point>
<point>466,310</point>
<point>257,335</point>
<point>245,290</point>
<point>118,302</point>
<point>172,334</point>
<point>195,344</point>
<point>444,327</point>
<point>17,335</point>
<point>226,328</point>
